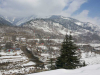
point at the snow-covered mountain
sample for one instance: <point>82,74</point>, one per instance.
<point>18,20</point>
<point>60,25</point>
<point>67,22</point>
<point>74,24</point>
<point>4,22</point>
<point>47,26</point>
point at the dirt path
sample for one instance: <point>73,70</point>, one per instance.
<point>32,57</point>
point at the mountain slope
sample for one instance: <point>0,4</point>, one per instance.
<point>59,25</point>
<point>46,25</point>
<point>18,20</point>
<point>3,22</point>
<point>74,24</point>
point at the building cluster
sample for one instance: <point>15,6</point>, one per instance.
<point>14,58</point>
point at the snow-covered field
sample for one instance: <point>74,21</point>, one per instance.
<point>90,58</point>
<point>17,63</point>
<point>23,65</point>
<point>88,70</point>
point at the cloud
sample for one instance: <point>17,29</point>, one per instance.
<point>83,16</point>
<point>29,7</point>
<point>74,6</point>
<point>43,8</point>
<point>38,7</point>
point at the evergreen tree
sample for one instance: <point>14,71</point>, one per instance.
<point>69,56</point>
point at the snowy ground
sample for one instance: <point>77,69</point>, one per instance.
<point>17,63</point>
<point>88,70</point>
<point>20,60</point>
<point>91,58</point>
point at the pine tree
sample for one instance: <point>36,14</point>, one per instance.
<point>69,56</point>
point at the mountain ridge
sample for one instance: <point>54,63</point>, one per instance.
<point>4,22</point>
<point>59,25</point>
<point>16,21</point>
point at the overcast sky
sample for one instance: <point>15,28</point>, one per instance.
<point>83,10</point>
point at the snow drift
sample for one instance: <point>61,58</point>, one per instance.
<point>88,70</point>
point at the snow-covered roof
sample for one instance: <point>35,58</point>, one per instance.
<point>2,44</point>
<point>45,55</point>
<point>4,57</point>
<point>55,48</point>
<point>43,47</point>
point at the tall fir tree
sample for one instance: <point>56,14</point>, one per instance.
<point>69,58</point>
